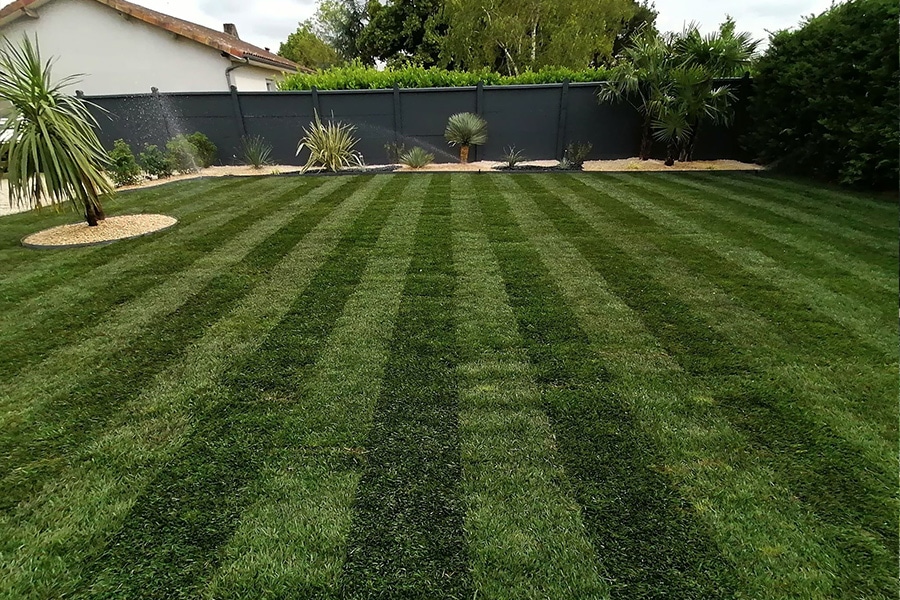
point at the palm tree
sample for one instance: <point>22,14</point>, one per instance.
<point>638,79</point>
<point>464,130</point>
<point>671,80</point>
<point>706,58</point>
<point>52,152</point>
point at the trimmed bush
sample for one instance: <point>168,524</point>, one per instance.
<point>155,162</point>
<point>825,102</point>
<point>358,77</point>
<point>207,152</point>
<point>123,168</point>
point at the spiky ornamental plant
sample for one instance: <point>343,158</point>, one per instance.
<point>464,130</point>
<point>53,154</point>
<point>330,145</point>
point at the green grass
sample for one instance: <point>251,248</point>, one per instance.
<point>456,386</point>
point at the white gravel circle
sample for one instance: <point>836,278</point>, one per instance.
<point>109,230</point>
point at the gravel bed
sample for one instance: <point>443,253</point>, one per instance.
<point>109,230</point>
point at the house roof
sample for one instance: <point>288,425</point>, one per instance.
<point>218,40</point>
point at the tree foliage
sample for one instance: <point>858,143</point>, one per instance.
<point>339,23</point>
<point>403,31</point>
<point>508,36</point>
<point>306,48</point>
<point>513,36</point>
<point>826,101</point>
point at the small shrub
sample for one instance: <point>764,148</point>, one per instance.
<point>123,167</point>
<point>330,145</point>
<point>395,150</point>
<point>417,158</point>
<point>512,157</point>
<point>207,152</point>
<point>155,162</point>
<point>256,151</point>
<point>464,130</point>
<point>575,155</point>
<point>182,154</point>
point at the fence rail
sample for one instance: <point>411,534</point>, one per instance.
<point>540,120</point>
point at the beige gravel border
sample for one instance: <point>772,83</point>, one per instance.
<point>111,229</point>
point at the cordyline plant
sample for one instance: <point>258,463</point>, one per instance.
<point>51,149</point>
<point>330,145</point>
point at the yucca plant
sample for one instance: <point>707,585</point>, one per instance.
<point>330,145</point>
<point>256,151</point>
<point>417,158</point>
<point>464,130</point>
<point>53,154</point>
<point>512,157</point>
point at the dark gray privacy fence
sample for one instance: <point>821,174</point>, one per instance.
<point>540,120</point>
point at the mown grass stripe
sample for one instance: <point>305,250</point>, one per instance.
<point>47,542</point>
<point>524,531</point>
<point>60,371</point>
<point>840,233</point>
<point>68,310</point>
<point>26,268</point>
<point>406,540</point>
<point>649,541</point>
<point>170,542</point>
<point>37,451</point>
<point>291,541</point>
<point>830,317</point>
<point>841,383</point>
<point>840,271</point>
<point>769,537</point>
<point>866,210</point>
<point>829,475</point>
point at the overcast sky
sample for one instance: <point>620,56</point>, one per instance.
<point>268,22</point>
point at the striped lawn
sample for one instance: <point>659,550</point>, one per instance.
<point>456,386</point>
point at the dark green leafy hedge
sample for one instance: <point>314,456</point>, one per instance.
<point>357,77</point>
<point>826,97</point>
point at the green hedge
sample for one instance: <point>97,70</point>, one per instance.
<point>826,97</point>
<point>357,77</point>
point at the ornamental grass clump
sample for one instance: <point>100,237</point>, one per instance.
<point>256,151</point>
<point>464,130</point>
<point>417,158</point>
<point>330,145</point>
<point>52,151</point>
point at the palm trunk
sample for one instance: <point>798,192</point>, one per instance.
<point>463,154</point>
<point>646,139</point>
<point>91,215</point>
<point>672,150</point>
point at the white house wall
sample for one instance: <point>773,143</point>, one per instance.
<point>120,55</point>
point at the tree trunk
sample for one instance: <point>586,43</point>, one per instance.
<point>687,150</point>
<point>672,150</point>
<point>646,140</point>
<point>90,215</point>
<point>463,154</point>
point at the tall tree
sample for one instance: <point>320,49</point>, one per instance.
<point>518,35</point>
<point>305,48</point>
<point>339,24</point>
<point>404,31</point>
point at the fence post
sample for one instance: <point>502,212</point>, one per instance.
<point>479,109</point>
<point>563,119</point>
<point>238,112</point>
<point>162,111</point>
<point>315,101</point>
<point>398,119</point>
